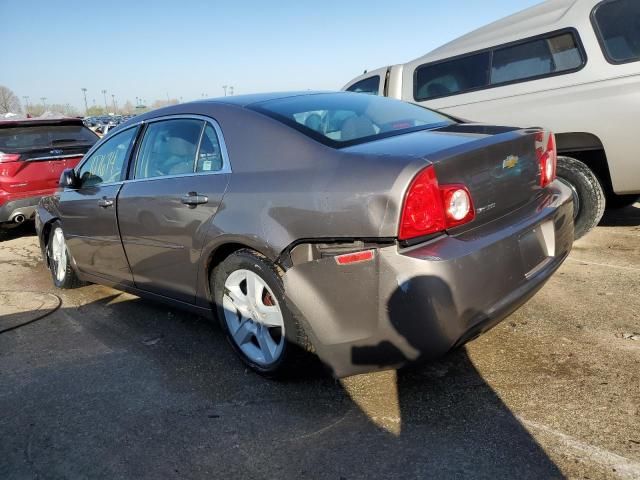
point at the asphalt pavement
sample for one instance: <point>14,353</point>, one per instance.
<point>102,384</point>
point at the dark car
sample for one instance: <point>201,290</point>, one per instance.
<point>367,230</point>
<point>33,154</point>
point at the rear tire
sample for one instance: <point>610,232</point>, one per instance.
<point>59,259</point>
<point>260,328</point>
<point>621,201</point>
<point>587,191</point>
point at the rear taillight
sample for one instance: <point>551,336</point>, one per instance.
<point>431,208</point>
<point>547,157</point>
<point>458,207</point>
<point>9,157</point>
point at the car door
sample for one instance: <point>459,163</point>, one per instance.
<point>88,211</point>
<point>179,178</point>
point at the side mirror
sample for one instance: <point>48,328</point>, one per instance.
<point>68,179</point>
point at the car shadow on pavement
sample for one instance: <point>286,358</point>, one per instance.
<point>125,388</point>
<point>622,217</point>
<point>26,229</point>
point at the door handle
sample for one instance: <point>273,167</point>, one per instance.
<point>192,199</point>
<point>104,202</point>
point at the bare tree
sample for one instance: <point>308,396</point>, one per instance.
<point>9,102</point>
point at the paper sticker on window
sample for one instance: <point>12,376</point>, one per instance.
<point>206,165</point>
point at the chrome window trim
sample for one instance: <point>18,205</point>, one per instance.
<point>226,164</point>
<point>54,157</point>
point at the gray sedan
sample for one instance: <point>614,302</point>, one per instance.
<point>364,230</point>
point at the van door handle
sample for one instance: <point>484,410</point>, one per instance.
<point>104,202</point>
<point>192,199</point>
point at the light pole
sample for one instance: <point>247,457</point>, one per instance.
<point>86,107</point>
<point>224,87</point>
<point>26,103</point>
<point>115,109</point>
<point>104,95</point>
<point>230,90</point>
<point>44,103</point>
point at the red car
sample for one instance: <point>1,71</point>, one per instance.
<point>33,154</point>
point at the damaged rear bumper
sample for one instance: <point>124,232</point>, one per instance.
<point>418,303</point>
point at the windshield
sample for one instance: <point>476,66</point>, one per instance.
<point>343,119</point>
<point>38,136</point>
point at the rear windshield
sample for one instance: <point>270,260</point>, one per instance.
<point>343,119</point>
<point>45,136</point>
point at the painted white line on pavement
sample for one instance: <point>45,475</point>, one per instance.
<point>624,467</point>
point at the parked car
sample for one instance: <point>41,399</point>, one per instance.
<point>103,129</point>
<point>33,154</point>
<point>368,230</point>
<point>570,65</point>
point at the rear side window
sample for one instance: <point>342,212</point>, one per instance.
<point>532,59</point>
<point>169,148</point>
<point>44,136</point>
<point>617,24</point>
<point>369,85</point>
<point>106,163</point>
<point>209,153</point>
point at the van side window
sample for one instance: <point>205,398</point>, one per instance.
<point>455,76</point>
<point>527,60</point>
<point>617,24</point>
<point>536,58</point>
<point>369,85</point>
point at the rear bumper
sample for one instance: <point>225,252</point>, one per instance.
<point>21,206</point>
<point>419,303</point>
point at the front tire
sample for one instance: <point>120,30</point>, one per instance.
<point>250,301</point>
<point>59,259</point>
<point>589,198</point>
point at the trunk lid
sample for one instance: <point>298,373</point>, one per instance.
<point>501,171</point>
<point>498,165</point>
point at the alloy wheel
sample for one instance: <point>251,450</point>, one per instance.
<point>253,317</point>
<point>59,254</point>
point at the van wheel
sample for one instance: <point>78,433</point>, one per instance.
<point>62,272</point>
<point>588,195</point>
<point>621,201</point>
<point>250,300</point>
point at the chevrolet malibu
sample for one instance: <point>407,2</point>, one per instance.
<point>370,232</point>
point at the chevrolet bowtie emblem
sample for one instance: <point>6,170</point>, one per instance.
<point>510,162</point>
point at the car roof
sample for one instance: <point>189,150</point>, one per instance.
<point>250,99</point>
<point>32,122</point>
<point>542,18</point>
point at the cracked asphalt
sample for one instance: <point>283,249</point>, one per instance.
<point>106,385</point>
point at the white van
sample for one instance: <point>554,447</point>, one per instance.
<point>572,66</point>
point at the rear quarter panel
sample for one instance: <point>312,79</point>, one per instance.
<point>286,187</point>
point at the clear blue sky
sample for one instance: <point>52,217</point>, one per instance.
<point>184,48</point>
